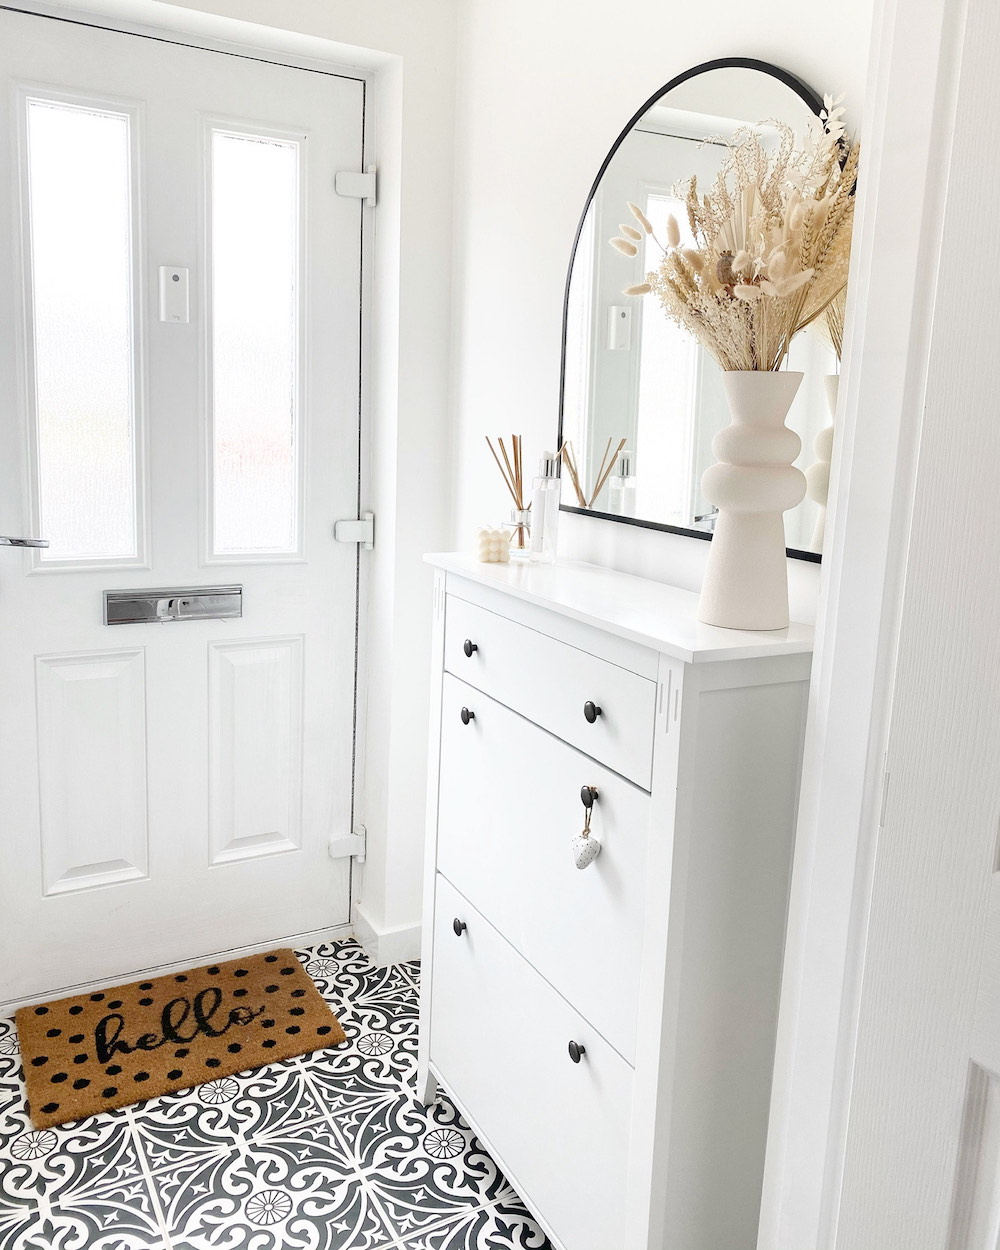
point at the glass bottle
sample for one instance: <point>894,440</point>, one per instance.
<point>621,487</point>
<point>545,510</point>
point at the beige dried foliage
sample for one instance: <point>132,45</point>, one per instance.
<point>833,322</point>
<point>772,243</point>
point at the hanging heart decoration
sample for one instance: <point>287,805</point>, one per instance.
<point>586,848</point>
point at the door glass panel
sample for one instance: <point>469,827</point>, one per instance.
<point>255,292</point>
<point>82,333</point>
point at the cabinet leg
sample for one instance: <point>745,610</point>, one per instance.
<point>427,1087</point>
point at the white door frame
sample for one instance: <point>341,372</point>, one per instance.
<point>906,135</point>
<point>227,36</point>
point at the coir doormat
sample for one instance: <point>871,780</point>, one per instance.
<point>97,1051</point>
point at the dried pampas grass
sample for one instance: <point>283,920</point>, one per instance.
<point>772,243</point>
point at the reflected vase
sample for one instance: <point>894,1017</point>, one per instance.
<point>752,485</point>
<point>818,473</point>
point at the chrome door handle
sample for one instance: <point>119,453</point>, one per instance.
<point>24,542</point>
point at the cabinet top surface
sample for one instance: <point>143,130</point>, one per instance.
<point>651,613</point>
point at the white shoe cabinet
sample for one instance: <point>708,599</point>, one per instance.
<point>609,1031</point>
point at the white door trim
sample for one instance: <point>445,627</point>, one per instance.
<point>905,139</point>
<point>229,36</point>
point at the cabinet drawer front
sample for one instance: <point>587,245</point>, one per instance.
<point>550,683</point>
<point>499,1039</point>
<point>509,808</point>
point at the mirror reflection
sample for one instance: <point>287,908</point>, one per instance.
<point>641,399</point>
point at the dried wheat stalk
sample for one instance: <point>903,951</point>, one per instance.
<point>772,243</point>
<point>833,322</point>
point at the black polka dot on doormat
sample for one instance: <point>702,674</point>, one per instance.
<point>220,1019</point>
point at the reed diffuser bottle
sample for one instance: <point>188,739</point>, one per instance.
<point>621,487</point>
<point>545,511</point>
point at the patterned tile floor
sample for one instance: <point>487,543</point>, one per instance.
<point>329,1151</point>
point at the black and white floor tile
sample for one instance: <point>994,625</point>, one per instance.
<point>328,1151</point>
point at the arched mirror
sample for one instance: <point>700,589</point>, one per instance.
<point>632,382</point>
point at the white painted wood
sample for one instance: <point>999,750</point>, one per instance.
<point>931,958</point>
<point>313,937</point>
<point>550,683</point>
<point>495,1015</point>
<point>650,613</point>
<point>621,651</point>
<point>255,747</point>
<point>706,901</point>
<point>426,1083</point>
<point>976,1213</point>
<point>189,905</point>
<point>509,810</point>
<point>737,782</point>
<point>92,769</point>
<point>897,233</point>
<point>383,945</point>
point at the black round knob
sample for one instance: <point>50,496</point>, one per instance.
<point>576,1051</point>
<point>588,795</point>
<point>467,716</point>
<point>469,647</point>
<point>459,926</point>
<point>592,711</point>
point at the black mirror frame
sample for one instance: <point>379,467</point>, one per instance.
<point>810,98</point>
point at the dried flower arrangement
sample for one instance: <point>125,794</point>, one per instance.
<point>771,243</point>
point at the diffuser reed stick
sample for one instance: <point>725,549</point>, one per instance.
<point>608,462</point>
<point>604,471</point>
<point>566,451</point>
<point>512,471</point>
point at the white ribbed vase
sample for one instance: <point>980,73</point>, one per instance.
<point>818,473</point>
<point>746,581</point>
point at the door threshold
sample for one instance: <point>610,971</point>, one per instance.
<point>334,933</point>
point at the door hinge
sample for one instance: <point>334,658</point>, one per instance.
<point>357,186</point>
<point>361,530</point>
<point>354,844</point>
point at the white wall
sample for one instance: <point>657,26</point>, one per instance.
<point>543,91</point>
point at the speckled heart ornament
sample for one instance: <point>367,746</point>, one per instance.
<point>585,850</point>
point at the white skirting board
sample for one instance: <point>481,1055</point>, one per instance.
<point>394,945</point>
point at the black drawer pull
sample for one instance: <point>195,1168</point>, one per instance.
<point>459,926</point>
<point>469,647</point>
<point>576,1051</point>
<point>588,796</point>
<point>591,711</point>
<point>467,716</point>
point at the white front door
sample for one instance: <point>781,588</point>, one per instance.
<point>179,349</point>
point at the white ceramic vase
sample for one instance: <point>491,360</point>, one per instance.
<point>746,581</point>
<point>818,473</point>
